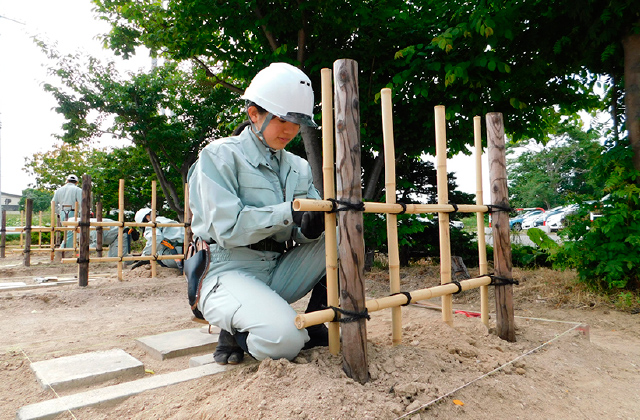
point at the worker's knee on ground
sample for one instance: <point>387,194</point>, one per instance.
<point>276,341</point>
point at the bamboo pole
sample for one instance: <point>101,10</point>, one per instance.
<point>443,217</point>
<point>85,216</point>
<point>373,305</point>
<point>74,234</point>
<point>27,236</point>
<point>121,227</point>
<point>188,234</point>
<point>482,245</point>
<point>71,225</point>
<point>392,219</point>
<point>21,224</point>
<point>330,238</point>
<point>40,231</point>
<point>54,233</point>
<point>505,324</point>
<point>303,204</point>
<point>154,250</point>
<point>349,188</point>
<point>129,258</point>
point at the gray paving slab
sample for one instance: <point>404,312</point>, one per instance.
<point>86,369</point>
<point>50,409</point>
<point>179,343</point>
<point>205,359</point>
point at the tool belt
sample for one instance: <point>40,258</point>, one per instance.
<point>196,266</point>
<point>269,244</point>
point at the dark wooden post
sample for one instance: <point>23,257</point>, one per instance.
<point>85,215</point>
<point>27,232</point>
<point>99,229</point>
<point>3,234</point>
<point>351,245</point>
<point>505,324</point>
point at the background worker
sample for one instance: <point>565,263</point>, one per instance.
<point>110,238</point>
<point>65,199</point>
<point>169,240</point>
<point>241,191</point>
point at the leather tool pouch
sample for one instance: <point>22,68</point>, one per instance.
<point>196,266</point>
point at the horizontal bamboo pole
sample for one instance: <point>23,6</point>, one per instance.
<point>303,204</point>
<point>373,305</point>
<point>130,224</point>
<point>130,258</point>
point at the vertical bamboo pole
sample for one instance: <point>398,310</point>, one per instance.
<point>54,232</point>
<point>188,234</point>
<point>27,232</point>
<point>21,232</point>
<point>99,229</point>
<point>76,209</point>
<point>40,231</point>
<point>392,219</point>
<point>349,188</point>
<point>443,218</point>
<point>3,234</point>
<point>121,227</point>
<point>482,245</point>
<point>505,324</point>
<point>85,219</point>
<point>154,250</point>
<point>330,238</point>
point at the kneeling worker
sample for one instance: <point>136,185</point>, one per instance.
<point>169,239</point>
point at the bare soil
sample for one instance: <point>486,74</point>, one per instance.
<point>555,369</point>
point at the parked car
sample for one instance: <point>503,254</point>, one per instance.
<point>541,219</point>
<point>516,223</point>
<point>556,221</point>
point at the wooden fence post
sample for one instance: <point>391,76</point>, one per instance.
<point>27,232</point>
<point>349,188</point>
<point>505,323</point>
<point>3,234</point>
<point>85,215</point>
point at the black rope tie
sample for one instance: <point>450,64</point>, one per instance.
<point>496,207</point>
<point>187,224</point>
<point>81,224</point>
<point>80,261</point>
<point>404,208</point>
<point>347,205</point>
<point>352,316</point>
<point>406,294</point>
<point>457,283</point>
<point>455,207</point>
<point>501,281</point>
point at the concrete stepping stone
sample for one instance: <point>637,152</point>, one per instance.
<point>86,369</point>
<point>180,343</point>
<point>115,393</point>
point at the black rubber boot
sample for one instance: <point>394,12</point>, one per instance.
<point>318,334</point>
<point>228,351</point>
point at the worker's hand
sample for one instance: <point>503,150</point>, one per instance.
<point>139,263</point>
<point>134,234</point>
<point>312,224</point>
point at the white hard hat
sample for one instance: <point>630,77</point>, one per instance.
<point>140,214</point>
<point>72,178</point>
<point>285,91</point>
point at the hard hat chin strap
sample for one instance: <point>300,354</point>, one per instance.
<point>260,133</point>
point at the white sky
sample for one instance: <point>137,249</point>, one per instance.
<point>26,111</point>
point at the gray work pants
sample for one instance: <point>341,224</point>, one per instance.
<point>249,290</point>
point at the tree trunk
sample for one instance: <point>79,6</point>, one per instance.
<point>371,185</point>
<point>631,44</point>
<point>313,147</point>
<point>168,189</point>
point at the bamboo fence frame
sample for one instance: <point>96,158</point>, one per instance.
<point>391,208</point>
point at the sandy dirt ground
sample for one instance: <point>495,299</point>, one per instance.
<point>553,371</point>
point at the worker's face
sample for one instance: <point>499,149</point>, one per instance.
<point>278,133</point>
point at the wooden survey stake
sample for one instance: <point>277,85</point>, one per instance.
<point>349,188</point>
<point>505,324</point>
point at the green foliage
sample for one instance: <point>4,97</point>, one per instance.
<point>41,199</point>
<point>557,174</point>
<point>530,257</point>
<point>604,251</point>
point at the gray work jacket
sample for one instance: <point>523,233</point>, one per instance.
<point>237,198</point>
